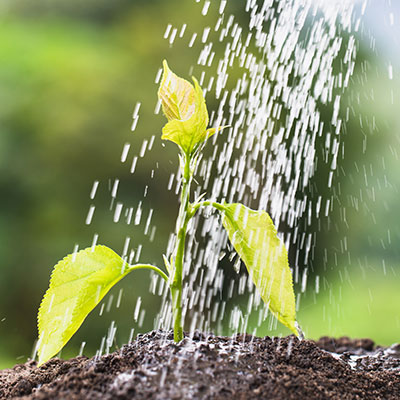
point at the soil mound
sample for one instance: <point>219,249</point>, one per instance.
<point>204,366</point>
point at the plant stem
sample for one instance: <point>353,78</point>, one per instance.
<point>181,227</point>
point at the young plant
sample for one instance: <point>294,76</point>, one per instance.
<point>80,281</point>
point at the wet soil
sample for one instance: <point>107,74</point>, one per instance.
<point>213,367</point>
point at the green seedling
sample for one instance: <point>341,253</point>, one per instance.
<point>81,280</point>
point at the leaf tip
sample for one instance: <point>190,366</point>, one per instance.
<point>166,69</point>
<point>195,81</point>
<point>167,263</point>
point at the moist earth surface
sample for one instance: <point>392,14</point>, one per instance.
<point>204,366</point>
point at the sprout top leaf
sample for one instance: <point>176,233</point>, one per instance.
<point>177,95</point>
<point>185,108</point>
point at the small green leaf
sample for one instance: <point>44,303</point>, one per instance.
<point>177,95</point>
<point>254,237</point>
<point>211,131</point>
<point>167,263</point>
<point>78,283</point>
<point>186,111</point>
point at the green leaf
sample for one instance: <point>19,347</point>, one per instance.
<point>186,111</point>
<point>78,283</point>
<point>212,131</point>
<point>177,95</point>
<point>167,264</point>
<point>254,237</point>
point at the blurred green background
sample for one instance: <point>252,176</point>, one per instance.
<point>71,73</point>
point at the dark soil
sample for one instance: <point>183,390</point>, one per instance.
<point>213,367</point>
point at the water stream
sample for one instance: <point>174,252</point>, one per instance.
<point>278,78</point>
<point>273,80</point>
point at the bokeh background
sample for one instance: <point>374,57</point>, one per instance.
<point>71,73</point>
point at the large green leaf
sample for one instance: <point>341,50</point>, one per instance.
<point>186,111</point>
<point>77,285</point>
<point>254,237</point>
